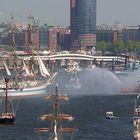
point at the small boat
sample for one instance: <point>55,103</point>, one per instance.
<point>7,117</point>
<point>109,115</point>
<point>56,129</point>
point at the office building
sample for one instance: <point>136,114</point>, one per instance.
<point>83,24</point>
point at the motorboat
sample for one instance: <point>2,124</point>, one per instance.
<point>109,115</point>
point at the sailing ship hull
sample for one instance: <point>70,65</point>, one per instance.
<point>25,92</point>
<point>7,118</point>
<point>31,91</point>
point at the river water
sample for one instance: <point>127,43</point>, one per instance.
<point>89,112</point>
<point>88,107</point>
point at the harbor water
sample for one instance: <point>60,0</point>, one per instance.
<point>89,112</point>
<point>88,105</point>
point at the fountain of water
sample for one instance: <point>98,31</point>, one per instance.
<point>96,82</point>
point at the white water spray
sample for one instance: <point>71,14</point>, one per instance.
<point>94,82</point>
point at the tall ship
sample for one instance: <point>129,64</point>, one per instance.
<point>27,88</point>
<point>56,129</point>
<point>8,116</point>
<point>26,78</point>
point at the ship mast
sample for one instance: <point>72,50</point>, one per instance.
<point>30,17</point>
<point>6,92</point>
<point>14,48</point>
<point>55,105</point>
<point>56,128</point>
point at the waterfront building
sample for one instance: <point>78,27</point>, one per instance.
<point>32,38</point>
<point>58,38</point>
<point>107,33</point>
<point>35,39</point>
<point>131,33</point>
<point>19,38</point>
<point>44,37</point>
<point>63,38</point>
<point>83,24</point>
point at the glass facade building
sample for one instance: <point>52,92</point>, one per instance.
<point>83,23</point>
<point>86,16</point>
<point>44,37</point>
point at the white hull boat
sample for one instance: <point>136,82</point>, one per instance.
<point>28,91</point>
<point>31,91</point>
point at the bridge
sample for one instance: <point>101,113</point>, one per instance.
<point>112,62</point>
<point>74,56</point>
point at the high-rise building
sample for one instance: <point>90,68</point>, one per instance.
<point>83,24</point>
<point>44,37</point>
<point>57,38</point>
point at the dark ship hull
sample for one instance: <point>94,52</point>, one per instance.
<point>6,119</point>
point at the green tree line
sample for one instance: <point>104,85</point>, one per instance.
<point>118,47</point>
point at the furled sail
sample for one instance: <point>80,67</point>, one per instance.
<point>61,97</point>
<point>44,72</point>
<point>26,69</point>
<point>41,71</point>
<point>6,68</point>
<point>62,117</point>
<point>45,129</point>
<point>67,129</point>
<point>41,130</point>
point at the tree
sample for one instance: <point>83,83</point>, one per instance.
<point>121,47</point>
<point>130,46</point>
<point>137,47</point>
<point>102,46</point>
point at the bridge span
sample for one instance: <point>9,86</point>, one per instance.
<point>111,62</point>
<point>77,57</point>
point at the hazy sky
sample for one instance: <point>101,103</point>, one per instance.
<point>58,11</point>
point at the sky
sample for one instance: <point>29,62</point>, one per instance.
<point>58,11</point>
